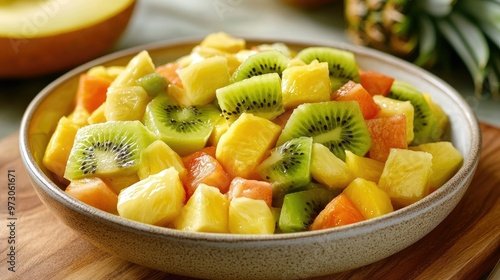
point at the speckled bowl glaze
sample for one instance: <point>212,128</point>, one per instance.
<point>226,256</point>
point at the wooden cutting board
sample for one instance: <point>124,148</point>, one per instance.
<point>466,245</point>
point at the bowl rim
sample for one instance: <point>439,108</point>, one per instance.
<point>407,213</point>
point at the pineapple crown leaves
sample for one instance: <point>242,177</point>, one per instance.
<point>470,27</point>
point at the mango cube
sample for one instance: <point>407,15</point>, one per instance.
<point>368,198</point>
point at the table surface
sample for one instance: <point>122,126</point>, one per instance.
<point>472,232</point>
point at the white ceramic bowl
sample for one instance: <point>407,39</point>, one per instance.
<point>227,256</point>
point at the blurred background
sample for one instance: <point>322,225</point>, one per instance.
<point>314,20</point>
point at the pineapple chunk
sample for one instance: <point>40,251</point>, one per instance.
<point>200,53</point>
<point>79,116</point>
<point>245,144</point>
<point>391,107</point>
<point>157,157</point>
<point>224,42</point>
<point>201,79</point>
<point>156,200</point>
<point>108,73</point>
<point>206,211</point>
<point>125,103</point>
<point>368,198</point>
<point>446,160</point>
<point>178,94</point>
<point>220,127</point>
<point>140,65</point>
<point>250,216</point>
<point>59,147</point>
<point>98,116</point>
<point>328,169</point>
<point>305,84</point>
<point>363,167</point>
<point>406,175</point>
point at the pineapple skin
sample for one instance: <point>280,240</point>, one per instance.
<point>386,25</point>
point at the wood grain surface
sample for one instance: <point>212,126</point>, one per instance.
<point>466,245</point>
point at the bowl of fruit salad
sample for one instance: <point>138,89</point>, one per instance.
<point>243,158</point>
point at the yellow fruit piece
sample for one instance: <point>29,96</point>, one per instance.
<point>446,160</point>
<point>363,167</point>
<point>370,200</point>
<point>79,116</point>
<point>46,37</point>
<point>201,79</point>
<point>125,103</point>
<point>140,65</point>
<point>98,116</point>
<point>157,157</point>
<point>224,42</point>
<point>156,200</point>
<point>305,84</point>
<point>59,147</point>
<point>245,144</point>
<point>120,182</point>
<point>390,107</point>
<point>250,216</point>
<point>406,175</point>
<point>200,53</point>
<point>178,94</point>
<point>328,169</point>
<point>206,211</point>
<point>220,127</point>
<point>108,73</point>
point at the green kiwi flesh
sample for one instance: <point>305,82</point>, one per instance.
<point>289,166</point>
<point>339,125</point>
<point>424,122</point>
<point>184,129</point>
<point>259,95</point>
<point>301,208</point>
<point>263,62</point>
<point>107,149</point>
<point>342,64</point>
<point>153,84</point>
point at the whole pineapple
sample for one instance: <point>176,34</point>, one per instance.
<point>421,30</point>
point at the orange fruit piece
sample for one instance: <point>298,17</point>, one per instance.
<point>338,212</point>
<point>94,192</point>
<point>203,167</point>
<point>375,82</point>
<point>91,92</point>
<point>254,189</point>
<point>387,133</point>
<point>355,91</point>
<point>170,71</point>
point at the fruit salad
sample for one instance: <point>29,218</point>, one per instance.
<point>260,139</point>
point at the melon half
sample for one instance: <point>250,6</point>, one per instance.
<point>39,37</point>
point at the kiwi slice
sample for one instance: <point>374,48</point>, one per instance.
<point>289,166</point>
<point>106,149</point>
<point>339,125</point>
<point>301,208</point>
<point>424,121</point>
<point>185,129</point>
<point>263,62</point>
<point>342,64</point>
<point>259,95</point>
